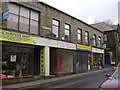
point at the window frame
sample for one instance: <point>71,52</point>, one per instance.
<point>79,34</point>
<point>99,41</point>
<point>94,40</point>
<point>86,37</point>
<point>19,16</point>
<point>105,37</point>
<point>68,30</point>
<point>56,26</point>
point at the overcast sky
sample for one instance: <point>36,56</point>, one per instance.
<point>89,11</point>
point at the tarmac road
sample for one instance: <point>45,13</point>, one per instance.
<point>87,81</point>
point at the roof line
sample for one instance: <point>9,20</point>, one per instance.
<point>70,16</point>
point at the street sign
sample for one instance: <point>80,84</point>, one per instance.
<point>5,14</point>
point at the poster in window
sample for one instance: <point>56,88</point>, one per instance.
<point>13,58</point>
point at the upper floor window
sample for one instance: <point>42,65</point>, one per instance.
<point>117,37</point>
<point>79,35</point>
<point>94,40</point>
<point>86,38</point>
<point>67,32</point>
<point>99,41</point>
<point>23,19</point>
<point>105,37</point>
<point>55,27</point>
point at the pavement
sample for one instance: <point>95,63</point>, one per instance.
<point>43,81</point>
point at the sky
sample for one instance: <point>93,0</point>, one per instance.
<point>89,11</point>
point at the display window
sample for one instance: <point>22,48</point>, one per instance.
<point>17,61</point>
<point>61,61</point>
<point>82,60</point>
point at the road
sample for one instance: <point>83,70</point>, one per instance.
<point>88,81</point>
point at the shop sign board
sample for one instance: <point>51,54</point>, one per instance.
<point>97,50</point>
<point>66,45</point>
<point>13,58</point>
<point>42,62</point>
<point>5,14</point>
<point>15,37</point>
<point>84,48</point>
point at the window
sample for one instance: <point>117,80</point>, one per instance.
<point>105,37</point>
<point>117,37</point>
<point>12,21</point>
<point>23,19</point>
<point>99,41</point>
<point>94,40</point>
<point>79,35</point>
<point>104,46</point>
<point>86,38</point>
<point>34,21</point>
<point>55,27</point>
<point>24,24</point>
<point>67,32</point>
<point>17,61</point>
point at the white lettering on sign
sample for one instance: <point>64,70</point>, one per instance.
<point>46,28</point>
<point>97,50</point>
<point>66,45</point>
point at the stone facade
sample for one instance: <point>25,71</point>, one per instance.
<point>43,47</point>
<point>47,13</point>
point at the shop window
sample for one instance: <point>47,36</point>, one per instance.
<point>23,19</point>
<point>12,21</point>
<point>17,61</point>
<point>24,12</point>
<point>24,24</point>
<point>34,27</point>
<point>14,8</point>
<point>34,15</point>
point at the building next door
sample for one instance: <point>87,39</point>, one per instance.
<point>107,59</point>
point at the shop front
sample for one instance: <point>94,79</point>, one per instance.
<point>62,58</point>
<point>20,59</point>
<point>17,60</point>
<point>98,58</point>
<point>83,58</point>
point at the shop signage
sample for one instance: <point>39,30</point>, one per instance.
<point>42,62</point>
<point>66,45</point>
<point>15,37</point>
<point>84,48</point>
<point>5,14</point>
<point>13,58</point>
<point>97,50</point>
<point>46,28</point>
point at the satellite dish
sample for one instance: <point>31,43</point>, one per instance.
<point>52,35</point>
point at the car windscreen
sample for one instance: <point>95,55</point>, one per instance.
<point>118,64</point>
<point>116,74</point>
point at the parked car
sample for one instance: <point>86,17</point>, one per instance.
<point>118,65</point>
<point>2,76</point>
<point>112,82</point>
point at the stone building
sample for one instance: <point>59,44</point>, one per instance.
<point>40,40</point>
<point>111,41</point>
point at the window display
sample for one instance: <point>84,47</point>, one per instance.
<point>17,61</point>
